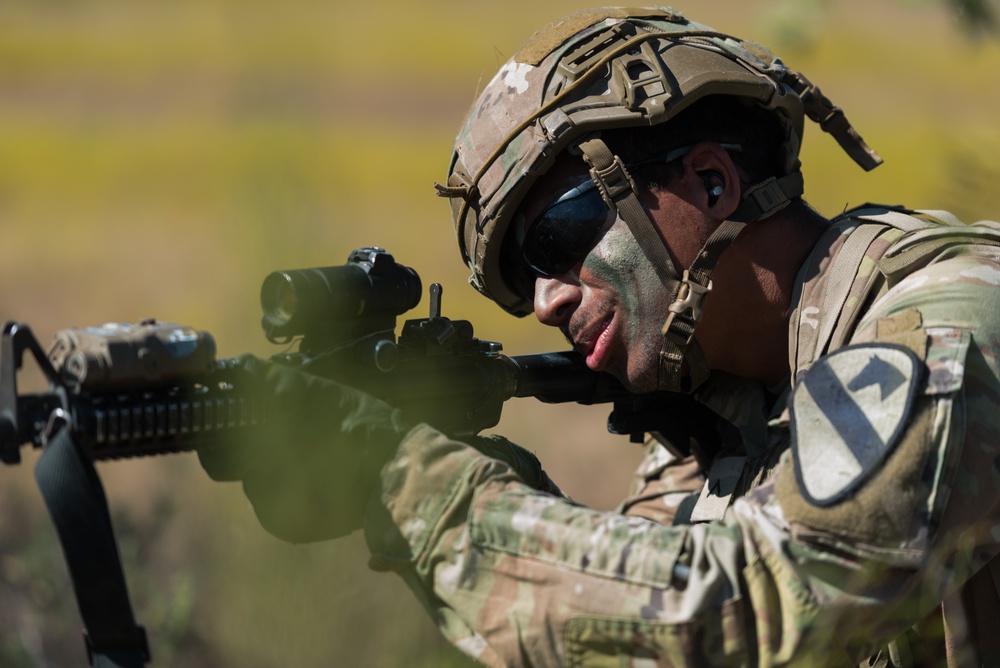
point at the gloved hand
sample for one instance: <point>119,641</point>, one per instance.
<point>524,462</point>
<point>309,470</point>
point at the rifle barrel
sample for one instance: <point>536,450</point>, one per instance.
<point>560,377</point>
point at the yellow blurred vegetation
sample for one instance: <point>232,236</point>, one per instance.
<point>159,158</point>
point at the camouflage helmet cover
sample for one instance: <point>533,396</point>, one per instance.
<point>593,70</point>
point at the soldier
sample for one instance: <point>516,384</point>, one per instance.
<point>632,177</point>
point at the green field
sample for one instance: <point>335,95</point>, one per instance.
<point>159,158</point>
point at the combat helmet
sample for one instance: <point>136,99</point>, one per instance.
<point>612,68</point>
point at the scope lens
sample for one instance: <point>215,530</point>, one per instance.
<point>279,299</point>
<point>286,301</point>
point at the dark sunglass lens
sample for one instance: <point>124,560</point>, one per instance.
<point>565,233</point>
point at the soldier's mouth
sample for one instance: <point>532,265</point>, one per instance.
<point>594,342</point>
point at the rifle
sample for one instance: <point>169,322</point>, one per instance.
<point>154,388</point>
<point>119,391</point>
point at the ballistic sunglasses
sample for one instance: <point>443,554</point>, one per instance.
<point>563,234</point>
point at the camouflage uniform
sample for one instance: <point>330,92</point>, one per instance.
<point>841,549</point>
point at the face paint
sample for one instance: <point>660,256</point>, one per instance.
<point>622,271</point>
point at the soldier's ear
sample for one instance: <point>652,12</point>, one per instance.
<point>715,170</point>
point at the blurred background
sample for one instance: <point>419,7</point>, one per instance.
<point>159,158</point>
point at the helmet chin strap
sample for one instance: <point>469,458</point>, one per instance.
<point>682,364</point>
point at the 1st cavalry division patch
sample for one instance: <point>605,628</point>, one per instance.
<point>847,413</point>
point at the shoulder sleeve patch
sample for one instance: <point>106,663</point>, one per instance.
<point>847,413</point>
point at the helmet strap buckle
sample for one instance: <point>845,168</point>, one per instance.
<point>689,302</point>
<point>612,178</point>
<point>613,181</point>
<point>762,200</point>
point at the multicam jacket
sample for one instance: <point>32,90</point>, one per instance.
<point>880,522</point>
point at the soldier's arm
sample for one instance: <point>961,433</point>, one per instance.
<point>798,571</point>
